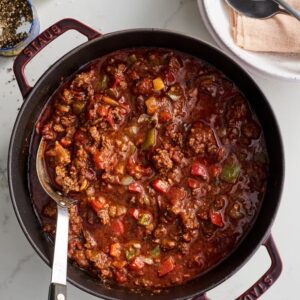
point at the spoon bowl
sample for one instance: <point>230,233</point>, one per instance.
<point>262,9</point>
<point>45,181</point>
<point>259,9</point>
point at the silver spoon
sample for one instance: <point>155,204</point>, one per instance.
<point>262,9</point>
<point>58,286</point>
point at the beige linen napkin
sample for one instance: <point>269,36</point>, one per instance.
<point>280,33</point>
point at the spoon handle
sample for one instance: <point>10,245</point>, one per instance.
<point>289,8</point>
<point>58,287</point>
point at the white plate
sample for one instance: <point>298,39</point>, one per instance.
<point>215,17</point>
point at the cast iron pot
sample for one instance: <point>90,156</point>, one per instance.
<point>97,46</point>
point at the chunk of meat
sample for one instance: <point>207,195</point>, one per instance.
<point>251,130</point>
<point>136,169</point>
<point>90,240</point>
<point>236,110</point>
<point>68,180</point>
<point>201,139</point>
<point>95,134</point>
<point>48,132</point>
<point>60,154</point>
<point>80,258</point>
<point>173,132</point>
<point>144,86</point>
<point>105,158</point>
<point>120,276</point>
<point>85,81</point>
<point>50,209</point>
<point>99,258</point>
<point>162,160</point>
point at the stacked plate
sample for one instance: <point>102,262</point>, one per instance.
<point>215,15</point>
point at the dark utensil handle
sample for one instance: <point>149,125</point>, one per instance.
<point>292,11</point>
<point>57,292</point>
<point>272,274</point>
<point>266,280</point>
<point>41,41</point>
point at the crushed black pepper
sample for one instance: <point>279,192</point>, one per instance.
<point>14,14</point>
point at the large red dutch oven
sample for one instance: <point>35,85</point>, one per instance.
<point>97,46</point>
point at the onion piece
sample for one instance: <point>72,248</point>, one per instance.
<point>127,180</point>
<point>148,260</point>
<point>143,118</point>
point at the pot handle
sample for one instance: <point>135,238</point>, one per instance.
<point>266,280</point>
<point>41,41</point>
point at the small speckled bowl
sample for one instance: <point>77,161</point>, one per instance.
<point>33,32</point>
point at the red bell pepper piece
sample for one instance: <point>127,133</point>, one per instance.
<point>135,187</point>
<point>166,266</point>
<point>164,116</point>
<point>95,205</point>
<point>198,169</point>
<point>117,227</point>
<point>216,218</point>
<point>134,212</point>
<point>160,186</point>
<point>193,183</point>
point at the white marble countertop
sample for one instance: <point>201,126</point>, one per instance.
<point>23,275</point>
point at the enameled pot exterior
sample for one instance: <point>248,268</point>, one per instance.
<point>35,99</point>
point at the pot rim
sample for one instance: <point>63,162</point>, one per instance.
<point>72,52</point>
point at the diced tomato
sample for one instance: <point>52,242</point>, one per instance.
<point>120,277</point>
<point>135,187</point>
<point>102,110</point>
<point>198,169</point>
<point>96,205</point>
<point>166,266</point>
<point>215,170</point>
<point>137,263</point>
<point>98,160</point>
<point>110,119</point>
<point>79,136</point>
<point>118,79</point>
<point>92,114</point>
<point>126,107</point>
<point>66,142</point>
<point>160,186</point>
<point>175,194</point>
<point>164,116</point>
<point>176,156</point>
<point>134,212</point>
<point>97,97</point>
<point>170,78</point>
<point>216,218</point>
<point>117,227</point>
<point>115,249</point>
<point>193,183</point>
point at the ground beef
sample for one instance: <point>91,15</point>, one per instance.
<point>201,139</point>
<point>162,160</point>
